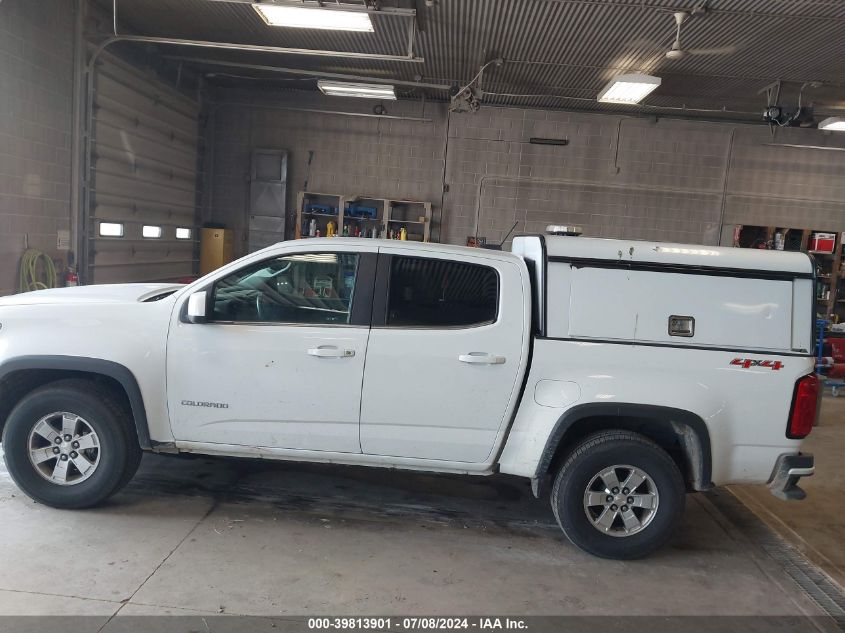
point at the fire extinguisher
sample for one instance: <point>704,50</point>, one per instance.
<point>71,278</point>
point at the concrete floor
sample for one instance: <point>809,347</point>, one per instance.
<point>208,536</point>
<point>816,526</point>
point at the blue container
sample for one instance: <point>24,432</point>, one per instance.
<point>360,211</point>
<point>321,208</point>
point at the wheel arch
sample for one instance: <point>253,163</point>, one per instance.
<point>20,375</point>
<point>681,433</point>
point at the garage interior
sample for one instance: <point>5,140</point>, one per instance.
<point>154,140</point>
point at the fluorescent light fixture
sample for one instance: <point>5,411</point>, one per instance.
<point>834,123</point>
<point>345,89</point>
<point>628,89</point>
<point>111,229</point>
<point>301,17</point>
<point>151,231</point>
<point>183,233</point>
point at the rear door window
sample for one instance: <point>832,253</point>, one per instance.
<point>441,293</point>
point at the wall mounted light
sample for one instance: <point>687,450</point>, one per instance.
<point>628,89</point>
<point>347,89</point>
<point>304,17</point>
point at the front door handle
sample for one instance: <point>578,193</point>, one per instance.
<point>330,351</point>
<point>481,358</point>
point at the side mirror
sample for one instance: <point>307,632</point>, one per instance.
<point>197,303</point>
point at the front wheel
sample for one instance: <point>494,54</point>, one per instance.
<point>70,444</point>
<point>618,495</point>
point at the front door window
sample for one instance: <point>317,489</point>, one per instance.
<point>306,288</point>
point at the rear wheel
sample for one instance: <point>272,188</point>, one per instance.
<point>618,495</point>
<point>70,444</point>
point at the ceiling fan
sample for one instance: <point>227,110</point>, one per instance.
<point>677,51</point>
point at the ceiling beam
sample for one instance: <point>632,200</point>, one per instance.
<point>337,6</point>
<point>409,57</point>
<point>305,72</point>
<point>145,39</point>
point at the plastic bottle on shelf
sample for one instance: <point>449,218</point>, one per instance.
<point>403,233</point>
<point>312,228</point>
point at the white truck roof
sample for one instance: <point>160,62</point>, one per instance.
<point>560,246</point>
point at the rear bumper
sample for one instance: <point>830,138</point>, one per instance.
<point>788,470</point>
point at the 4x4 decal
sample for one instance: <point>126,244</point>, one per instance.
<point>746,363</point>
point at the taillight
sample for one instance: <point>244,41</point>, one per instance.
<point>802,416</point>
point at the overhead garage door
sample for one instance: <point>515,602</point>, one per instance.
<point>142,211</point>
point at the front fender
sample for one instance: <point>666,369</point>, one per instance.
<point>92,366</point>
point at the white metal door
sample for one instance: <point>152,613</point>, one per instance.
<point>440,390</point>
<point>291,385</point>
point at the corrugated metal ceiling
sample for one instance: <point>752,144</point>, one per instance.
<point>558,52</point>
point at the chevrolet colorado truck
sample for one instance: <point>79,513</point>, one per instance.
<point>614,375</point>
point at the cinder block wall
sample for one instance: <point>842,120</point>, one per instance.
<point>36,86</point>
<point>773,184</point>
<point>616,177</point>
<point>351,155</point>
<point>641,178</point>
<point>619,176</point>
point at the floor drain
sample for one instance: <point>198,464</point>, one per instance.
<point>820,589</point>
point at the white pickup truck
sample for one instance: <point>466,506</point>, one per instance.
<point>615,375</point>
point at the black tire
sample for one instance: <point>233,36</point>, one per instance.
<point>119,451</point>
<point>602,451</point>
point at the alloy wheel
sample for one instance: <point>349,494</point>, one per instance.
<point>621,500</point>
<point>64,448</point>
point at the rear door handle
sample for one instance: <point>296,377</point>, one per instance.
<point>330,351</point>
<point>481,358</point>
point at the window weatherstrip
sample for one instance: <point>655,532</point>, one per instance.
<point>380,312</point>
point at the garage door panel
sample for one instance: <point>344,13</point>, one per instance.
<point>144,100</point>
<point>112,141</point>
<point>110,253</point>
<point>146,127</point>
<point>144,157</point>
<point>132,118</point>
<point>110,205</point>
<point>129,187</point>
<point>139,272</point>
<point>147,215</point>
<point>145,173</point>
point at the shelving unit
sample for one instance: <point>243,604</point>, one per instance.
<point>362,216</point>
<point>830,287</point>
<point>320,207</point>
<point>414,216</point>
